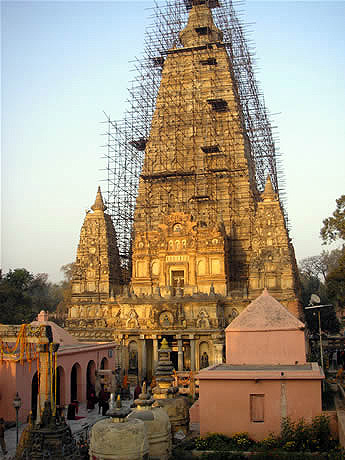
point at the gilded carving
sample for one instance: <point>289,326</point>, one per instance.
<point>132,320</point>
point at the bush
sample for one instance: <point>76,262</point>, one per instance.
<point>300,436</point>
<point>220,442</point>
<point>223,456</point>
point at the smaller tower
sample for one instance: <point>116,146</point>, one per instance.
<point>272,262</point>
<point>97,272</point>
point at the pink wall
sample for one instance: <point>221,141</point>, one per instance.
<point>15,377</point>
<point>225,404</point>
<point>269,347</point>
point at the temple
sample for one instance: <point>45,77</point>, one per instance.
<point>206,238</point>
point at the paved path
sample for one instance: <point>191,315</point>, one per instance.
<point>89,418</point>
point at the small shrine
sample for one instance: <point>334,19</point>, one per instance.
<point>265,378</point>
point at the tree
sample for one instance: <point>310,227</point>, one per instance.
<point>334,226</point>
<point>334,229</point>
<point>320,265</point>
<point>15,302</point>
<point>23,295</point>
<point>313,273</point>
<point>67,270</point>
<point>66,285</point>
<point>335,283</point>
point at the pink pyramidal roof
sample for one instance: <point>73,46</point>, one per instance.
<point>59,335</point>
<point>265,314</point>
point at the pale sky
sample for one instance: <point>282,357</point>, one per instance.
<point>63,63</point>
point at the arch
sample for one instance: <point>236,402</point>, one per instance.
<point>201,267</point>
<point>76,384</point>
<point>177,228</point>
<point>204,355</point>
<point>90,376</point>
<point>133,357</point>
<point>34,395</point>
<point>105,363</point>
<point>60,386</point>
<point>155,268</point>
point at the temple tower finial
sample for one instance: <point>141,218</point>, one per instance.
<point>200,28</point>
<point>99,204</point>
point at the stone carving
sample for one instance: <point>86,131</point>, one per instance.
<point>166,319</point>
<point>203,320</point>
<point>132,320</point>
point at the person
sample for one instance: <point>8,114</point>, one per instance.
<point>91,399</point>
<point>103,401</point>
<point>137,391</point>
<point>2,436</point>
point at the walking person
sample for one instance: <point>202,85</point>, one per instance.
<point>2,436</point>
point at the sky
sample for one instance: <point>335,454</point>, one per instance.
<point>64,63</point>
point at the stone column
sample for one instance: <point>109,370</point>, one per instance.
<point>44,379</point>
<point>143,357</point>
<point>180,353</point>
<point>162,281</point>
<point>192,277</point>
<point>155,353</point>
<point>218,353</point>
<point>192,352</point>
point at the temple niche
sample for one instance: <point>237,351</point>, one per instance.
<point>187,258</point>
<point>206,238</point>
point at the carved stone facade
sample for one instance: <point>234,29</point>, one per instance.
<point>205,241</point>
<point>96,273</point>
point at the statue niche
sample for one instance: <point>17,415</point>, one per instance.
<point>133,358</point>
<point>132,321</point>
<point>166,319</point>
<point>203,321</point>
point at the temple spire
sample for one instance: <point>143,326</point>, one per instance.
<point>99,204</point>
<point>200,28</point>
<point>269,194</point>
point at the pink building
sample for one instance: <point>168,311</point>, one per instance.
<point>265,378</point>
<point>76,366</point>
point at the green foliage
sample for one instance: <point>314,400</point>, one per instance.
<point>296,436</point>
<point>335,282</point>
<point>220,442</point>
<point>334,226</point>
<point>23,295</point>
<point>301,436</point>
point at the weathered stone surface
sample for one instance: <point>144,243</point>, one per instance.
<point>96,273</point>
<point>158,429</point>
<point>177,409</point>
<point>119,441</point>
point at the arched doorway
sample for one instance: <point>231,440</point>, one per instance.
<point>60,386</point>
<point>76,383</point>
<point>133,358</point>
<point>34,395</point>
<point>90,376</point>
<point>204,355</point>
<point>104,364</point>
